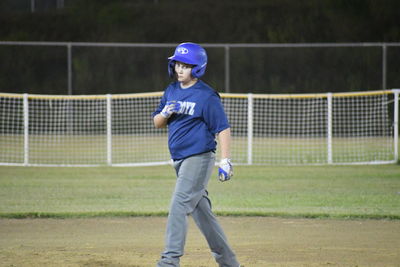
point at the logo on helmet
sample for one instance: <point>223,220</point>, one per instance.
<point>182,50</point>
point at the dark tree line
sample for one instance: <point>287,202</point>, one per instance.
<point>103,70</point>
<point>222,21</point>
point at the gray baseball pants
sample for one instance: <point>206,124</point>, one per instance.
<point>190,198</point>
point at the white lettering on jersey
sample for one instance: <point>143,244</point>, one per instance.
<point>187,107</point>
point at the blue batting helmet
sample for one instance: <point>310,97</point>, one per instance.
<point>189,53</point>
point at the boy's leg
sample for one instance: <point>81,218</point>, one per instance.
<point>212,230</point>
<point>175,238</point>
<point>192,175</point>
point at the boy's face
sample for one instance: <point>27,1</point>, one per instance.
<point>183,72</point>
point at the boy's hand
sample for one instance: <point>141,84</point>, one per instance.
<point>225,170</point>
<point>170,108</point>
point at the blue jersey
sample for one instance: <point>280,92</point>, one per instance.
<point>192,130</point>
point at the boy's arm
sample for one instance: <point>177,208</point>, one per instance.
<point>225,170</point>
<point>160,121</point>
<point>225,143</point>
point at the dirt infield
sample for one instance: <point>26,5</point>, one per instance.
<point>258,241</point>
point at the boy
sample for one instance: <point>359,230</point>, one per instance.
<point>194,114</point>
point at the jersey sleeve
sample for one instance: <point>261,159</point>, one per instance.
<point>214,115</point>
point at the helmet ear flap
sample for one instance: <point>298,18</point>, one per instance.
<point>199,70</point>
<point>195,72</point>
<point>171,68</point>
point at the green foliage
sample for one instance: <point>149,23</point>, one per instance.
<point>230,21</point>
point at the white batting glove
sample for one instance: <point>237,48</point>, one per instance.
<point>225,170</point>
<point>170,108</point>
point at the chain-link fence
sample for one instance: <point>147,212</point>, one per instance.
<point>267,129</point>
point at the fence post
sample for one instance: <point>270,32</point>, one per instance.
<point>329,128</point>
<point>384,65</point>
<point>396,124</point>
<point>69,68</point>
<point>250,129</point>
<point>32,6</point>
<point>109,131</point>
<point>26,129</point>
<point>227,69</point>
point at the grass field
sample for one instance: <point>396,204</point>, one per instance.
<point>369,191</point>
<point>131,149</point>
